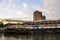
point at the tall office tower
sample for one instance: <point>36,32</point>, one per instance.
<point>43,17</point>
<point>37,15</point>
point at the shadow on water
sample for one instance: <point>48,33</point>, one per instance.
<point>42,36</point>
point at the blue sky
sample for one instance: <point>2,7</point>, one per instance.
<point>23,9</point>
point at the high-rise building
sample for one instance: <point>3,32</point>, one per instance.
<point>37,15</point>
<point>43,17</point>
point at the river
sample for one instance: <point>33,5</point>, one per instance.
<point>47,36</point>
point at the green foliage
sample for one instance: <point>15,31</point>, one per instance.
<point>1,25</point>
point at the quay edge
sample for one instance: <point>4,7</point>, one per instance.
<point>23,31</point>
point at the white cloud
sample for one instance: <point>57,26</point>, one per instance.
<point>10,3</point>
<point>15,11</point>
<point>11,8</point>
<point>39,8</point>
<point>25,15</point>
<point>51,7</point>
<point>24,5</point>
<point>1,6</point>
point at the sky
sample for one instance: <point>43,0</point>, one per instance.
<point>23,9</point>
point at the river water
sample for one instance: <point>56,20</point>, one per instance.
<point>47,36</point>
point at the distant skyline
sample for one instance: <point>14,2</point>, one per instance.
<point>24,8</point>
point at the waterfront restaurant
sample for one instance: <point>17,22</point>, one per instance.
<point>39,23</point>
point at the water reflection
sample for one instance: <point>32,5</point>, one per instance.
<point>29,36</point>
